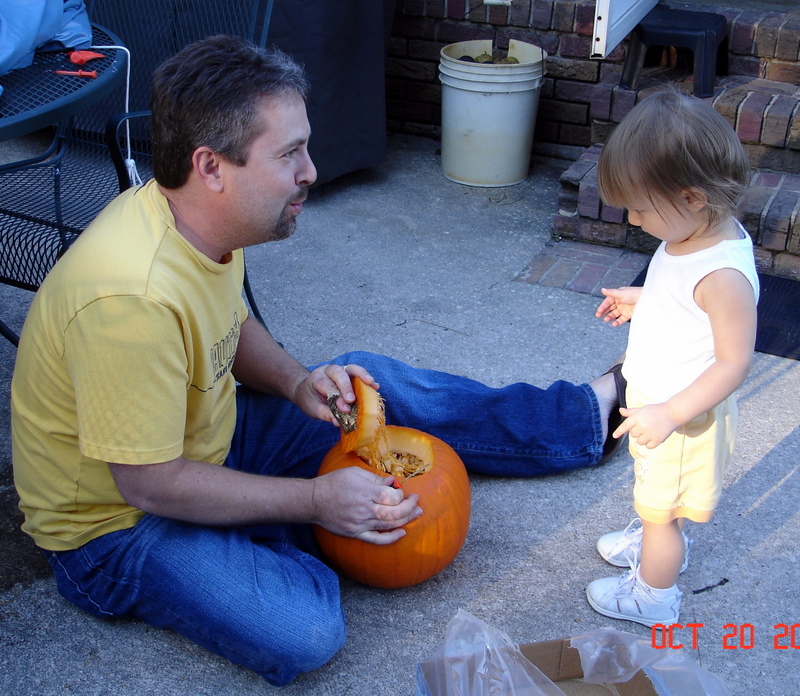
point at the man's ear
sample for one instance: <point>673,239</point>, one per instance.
<point>695,199</point>
<point>206,165</point>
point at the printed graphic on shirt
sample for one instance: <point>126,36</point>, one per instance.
<point>640,468</point>
<point>222,354</point>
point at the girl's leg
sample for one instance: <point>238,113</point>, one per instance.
<point>647,593</point>
<point>663,549</point>
<point>625,547</point>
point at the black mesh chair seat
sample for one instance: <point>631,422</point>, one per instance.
<point>46,203</point>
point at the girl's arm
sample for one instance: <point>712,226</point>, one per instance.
<point>728,299</point>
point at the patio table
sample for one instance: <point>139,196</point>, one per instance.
<point>35,97</point>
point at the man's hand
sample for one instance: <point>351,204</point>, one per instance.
<point>649,425</point>
<point>312,392</point>
<point>618,305</point>
<point>263,365</point>
<point>356,503</point>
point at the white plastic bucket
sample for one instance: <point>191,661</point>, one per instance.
<point>489,113</point>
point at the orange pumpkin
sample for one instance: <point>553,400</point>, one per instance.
<point>432,540</point>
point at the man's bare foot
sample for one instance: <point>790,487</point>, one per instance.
<point>606,392</point>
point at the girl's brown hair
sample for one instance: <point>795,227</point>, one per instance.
<point>669,143</point>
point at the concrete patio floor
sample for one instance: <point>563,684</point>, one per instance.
<point>402,261</point>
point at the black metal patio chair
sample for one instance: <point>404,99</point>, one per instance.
<point>48,199</point>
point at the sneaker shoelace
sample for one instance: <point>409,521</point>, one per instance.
<point>626,584</point>
<point>630,541</point>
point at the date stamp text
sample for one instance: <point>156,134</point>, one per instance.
<point>743,636</point>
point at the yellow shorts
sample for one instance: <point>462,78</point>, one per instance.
<point>682,477</point>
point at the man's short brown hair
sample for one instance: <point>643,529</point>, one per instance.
<point>208,94</point>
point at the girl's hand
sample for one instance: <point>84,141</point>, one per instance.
<point>618,306</point>
<point>648,426</point>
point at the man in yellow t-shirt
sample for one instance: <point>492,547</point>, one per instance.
<point>165,446</point>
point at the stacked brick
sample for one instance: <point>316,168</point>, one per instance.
<point>770,212</point>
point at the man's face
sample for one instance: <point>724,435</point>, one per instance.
<point>266,195</point>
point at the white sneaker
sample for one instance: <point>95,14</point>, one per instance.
<point>624,549</point>
<point>627,597</point>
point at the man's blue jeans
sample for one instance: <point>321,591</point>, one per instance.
<point>259,596</point>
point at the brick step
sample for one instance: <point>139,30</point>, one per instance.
<point>763,42</point>
<point>770,212</point>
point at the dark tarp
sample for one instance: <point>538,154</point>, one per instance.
<point>341,44</point>
<point>343,48</point>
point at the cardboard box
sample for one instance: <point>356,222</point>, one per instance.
<point>555,659</point>
<point>562,664</point>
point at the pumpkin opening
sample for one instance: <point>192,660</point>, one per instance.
<point>401,454</point>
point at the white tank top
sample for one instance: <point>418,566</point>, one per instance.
<point>670,343</point>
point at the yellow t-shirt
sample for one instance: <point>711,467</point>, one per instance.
<point>125,357</point>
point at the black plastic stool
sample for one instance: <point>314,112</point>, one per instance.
<point>704,33</point>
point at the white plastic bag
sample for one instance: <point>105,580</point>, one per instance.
<point>609,656</point>
<point>477,660</point>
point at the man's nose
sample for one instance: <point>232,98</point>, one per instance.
<point>308,173</point>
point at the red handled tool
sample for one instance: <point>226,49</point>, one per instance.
<point>79,73</point>
<point>81,57</point>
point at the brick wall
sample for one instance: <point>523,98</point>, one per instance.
<point>577,100</point>
<point>581,101</point>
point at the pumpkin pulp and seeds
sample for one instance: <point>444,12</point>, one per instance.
<point>377,453</point>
